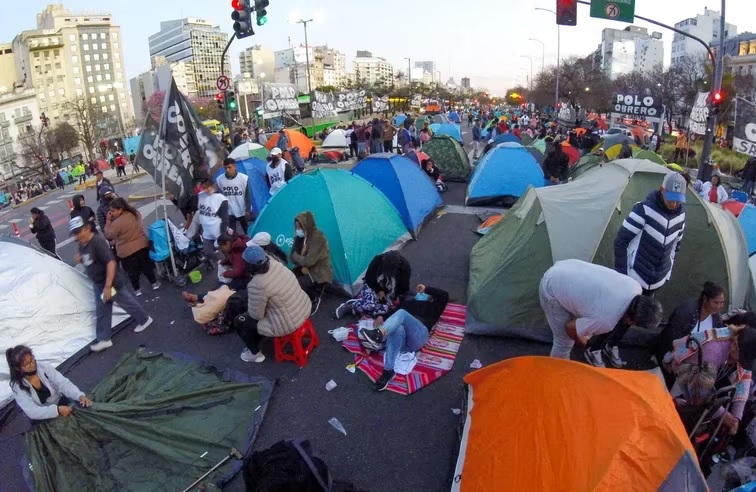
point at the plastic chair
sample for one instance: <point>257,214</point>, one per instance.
<point>299,351</point>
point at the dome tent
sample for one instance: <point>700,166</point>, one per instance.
<point>341,203</point>
<point>503,175</point>
<point>254,168</point>
<point>580,220</point>
<point>335,140</point>
<point>247,150</point>
<point>449,156</point>
<point>449,129</point>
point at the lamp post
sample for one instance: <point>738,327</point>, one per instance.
<point>409,83</point>
<point>559,51</point>
<point>543,53</point>
<point>304,22</point>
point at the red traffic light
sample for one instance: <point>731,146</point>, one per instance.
<point>237,4</point>
<point>566,12</point>
<point>219,97</point>
<point>717,97</point>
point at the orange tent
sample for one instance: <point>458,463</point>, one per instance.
<point>572,152</point>
<point>296,139</point>
<point>538,423</point>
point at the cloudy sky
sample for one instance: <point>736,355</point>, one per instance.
<point>482,39</point>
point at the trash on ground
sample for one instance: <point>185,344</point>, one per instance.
<point>337,425</point>
<point>476,364</point>
<point>330,385</point>
<point>456,411</point>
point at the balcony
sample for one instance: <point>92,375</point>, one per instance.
<point>4,123</point>
<point>22,119</point>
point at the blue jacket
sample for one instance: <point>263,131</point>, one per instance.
<point>647,242</point>
<point>476,134</point>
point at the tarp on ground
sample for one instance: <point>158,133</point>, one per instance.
<point>45,304</point>
<point>580,220</point>
<point>249,149</point>
<point>158,422</point>
<point>447,129</point>
<point>336,140</point>
<point>255,170</point>
<point>580,428</point>
<point>356,218</point>
<point>407,187</point>
<point>503,175</point>
<point>449,156</point>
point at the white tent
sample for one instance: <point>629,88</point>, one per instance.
<point>247,150</point>
<point>45,304</point>
<point>336,140</point>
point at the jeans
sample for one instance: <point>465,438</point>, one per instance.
<point>377,146</point>
<point>104,310</point>
<point>557,317</point>
<point>232,221</point>
<point>137,264</point>
<point>404,333</point>
<point>361,147</point>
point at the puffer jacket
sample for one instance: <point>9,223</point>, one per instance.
<point>276,300</point>
<point>318,257</point>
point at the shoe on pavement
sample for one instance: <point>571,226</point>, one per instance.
<point>383,381</point>
<point>140,328</point>
<point>594,358</point>
<point>248,356</point>
<point>344,309</point>
<point>101,345</point>
<point>138,292</point>
<point>156,286</point>
<point>612,353</point>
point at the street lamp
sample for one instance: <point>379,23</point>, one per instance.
<point>543,53</point>
<point>531,70</point>
<point>304,22</point>
<point>409,73</point>
<point>559,51</point>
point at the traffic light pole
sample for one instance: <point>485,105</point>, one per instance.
<point>226,113</point>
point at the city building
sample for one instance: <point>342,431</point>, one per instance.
<point>8,76</point>
<point>19,115</point>
<point>75,57</point>
<point>372,70</point>
<point>194,41</point>
<point>334,66</point>
<point>257,60</point>
<point>465,84</point>
<point>291,67</point>
<point>740,54</point>
<point>144,85</point>
<point>632,49</point>
<point>428,66</point>
<point>420,75</point>
<point>706,27</point>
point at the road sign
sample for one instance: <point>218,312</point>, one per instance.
<point>222,83</point>
<point>616,10</point>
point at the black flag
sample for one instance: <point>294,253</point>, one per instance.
<point>744,135</point>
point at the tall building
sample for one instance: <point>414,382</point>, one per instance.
<point>706,27</point>
<point>291,67</point>
<point>257,60</point>
<point>372,69</point>
<point>420,75</point>
<point>75,56</point>
<point>18,115</point>
<point>194,41</point>
<point>8,77</point>
<point>632,49</point>
<point>144,85</point>
<point>428,66</point>
<point>334,66</point>
<point>465,84</point>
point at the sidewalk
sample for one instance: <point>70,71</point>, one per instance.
<point>111,174</point>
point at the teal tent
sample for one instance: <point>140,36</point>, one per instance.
<point>358,220</point>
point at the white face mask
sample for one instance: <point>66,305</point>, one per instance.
<point>300,233</point>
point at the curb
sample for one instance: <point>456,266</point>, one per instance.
<point>90,185</point>
<point>133,198</point>
<point>34,198</point>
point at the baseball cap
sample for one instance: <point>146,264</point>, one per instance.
<point>261,239</point>
<point>674,187</point>
<point>75,225</point>
<point>253,255</point>
<point>275,151</point>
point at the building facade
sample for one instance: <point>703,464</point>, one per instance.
<point>257,60</point>
<point>428,66</point>
<point>8,76</point>
<point>372,70</point>
<point>144,85</point>
<point>465,84</point>
<point>629,50</point>
<point>19,117</point>
<point>740,54</point>
<point>706,27</point>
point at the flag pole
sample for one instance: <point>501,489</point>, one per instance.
<point>161,136</point>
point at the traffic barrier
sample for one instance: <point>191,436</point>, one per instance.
<point>70,205</point>
<point>15,230</point>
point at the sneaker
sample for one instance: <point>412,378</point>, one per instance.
<point>612,353</point>
<point>137,292</point>
<point>344,309</point>
<point>248,356</point>
<point>372,338</point>
<point>101,345</point>
<point>140,328</point>
<point>383,381</point>
<point>156,286</point>
<point>594,358</point>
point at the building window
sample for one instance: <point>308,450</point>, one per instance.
<point>119,76</point>
<point>79,92</point>
<point>96,57</point>
<point>58,66</point>
<point>72,37</point>
<point>103,35</point>
<point>59,78</point>
<point>85,36</point>
<point>49,80</point>
<point>743,48</point>
<point>73,48</point>
<point>104,46</point>
<point>99,78</point>
<point>90,79</point>
<point>36,54</point>
<point>110,97</point>
<point>88,68</point>
<point>97,67</point>
<point>106,66</point>
<point>85,47</point>
<point>56,52</point>
<point>752,47</point>
<point>91,90</point>
<point>102,99</point>
<point>61,92</point>
<point>117,55</point>
<point>107,76</point>
<point>93,100</point>
<point>86,58</point>
<point>104,109</point>
<point>105,56</point>
<point>77,81</point>
<point>48,67</point>
<point>112,107</point>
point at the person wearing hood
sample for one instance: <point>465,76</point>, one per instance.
<point>278,172</point>
<point>626,152</point>
<point>263,240</point>
<point>80,209</point>
<point>556,164</point>
<point>233,185</point>
<point>235,269</point>
<point>386,280</point>
<point>104,208</point>
<point>40,226</point>
<point>310,253</point>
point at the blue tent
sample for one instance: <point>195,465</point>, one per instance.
<point>405,185</point>
<point>507,137</point>
<point>447,129</point>
<point>747,220</point>
<point>503,175</point>
<point>254,168</point>
<point>454,117</point>
<point>399,119</point>
<point>131,144</point>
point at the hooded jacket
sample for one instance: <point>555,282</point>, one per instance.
<point>234,259</point>
<point>58,384</point>
<point>276,301</point>
<point>317,258</point>
<point>86,213</point>
<point>42,228</point>
<point>390,264</point>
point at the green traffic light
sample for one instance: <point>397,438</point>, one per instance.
<point>232,105</point>
<point>261,21</point>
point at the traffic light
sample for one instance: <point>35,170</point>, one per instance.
<point>716,99</point>
<point>45,120</point>
<point>242,17</point>
<point>231,103</point>
<point>566,12</point>
<point>261,12</point>
<point>220,100</point>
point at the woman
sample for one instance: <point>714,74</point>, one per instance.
<point>39,389</point>
<point>80,209</point>
<point>556,164</point>
<point>310,254</point>
<point>713,191</point>
<point>434,174</point>
<point>124,227</point>
<point>41,227</point>
<point>386,280</point>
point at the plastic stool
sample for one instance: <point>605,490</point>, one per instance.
<point>299,352</point>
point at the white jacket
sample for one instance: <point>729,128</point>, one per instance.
<point>58,385</point>
<point>721,192</point>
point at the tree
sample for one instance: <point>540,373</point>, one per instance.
<point>60,139</point>
<point>516,96</point>
<point>90,123</point>
<point>327,88</point>
<point>32,155</point>
<point>206,108</point>
<point>154,105</point>
<point>580,81</point>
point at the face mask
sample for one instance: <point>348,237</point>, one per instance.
<point>300,233</point>
<point>422,296</point>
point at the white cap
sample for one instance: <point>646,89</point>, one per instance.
<point>261,239</point>
<point>275,151</point>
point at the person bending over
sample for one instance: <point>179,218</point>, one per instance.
<point>385,282</point>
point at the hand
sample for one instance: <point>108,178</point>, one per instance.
<point>107,294</point>
<point>420,288</point>
<point>84,401</point>
<point>305,271</point>
<point>230,231</point>
<point>77,257</point>
<point>381,296</point>
<point>64,410</point>
<point>378,321</point>
<point>731,423</point>
<point>582,341</point>
<point>736,328</point>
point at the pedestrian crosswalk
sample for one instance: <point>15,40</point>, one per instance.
<point>53,201</point>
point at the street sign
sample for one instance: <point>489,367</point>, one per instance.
<point>222,83</point>
<point>616,10</point>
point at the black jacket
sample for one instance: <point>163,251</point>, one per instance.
<point>393,264</point>
<point>428,312</point>
<point>86,213</point>
<point>43,229</point>
<point>681,323</point>
<point>556,165</point>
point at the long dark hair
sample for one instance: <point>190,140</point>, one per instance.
<point>710,291</point>
<point>121,204</point>
<point>15,357</point>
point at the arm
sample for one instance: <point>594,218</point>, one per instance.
<point>63,384</point>
<point>238,267</point>
<point>631,227</point>
<point>288,173</point>
<point>110,273</point>
<point>31,408</point>
<point>371,275</point>
<point>679,240</point>
<point>111,231</point>
<point>314,250</point>
<point>247,200</point>
<point>256,302</point>
<point>742,389</point>
<point>403,279</point>
<point>223,214</point>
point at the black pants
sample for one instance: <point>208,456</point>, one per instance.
<point>49,245</point>
<point>232,221</point>
<point>137,264</point>
<point>352,149</point>
<point>388,145</point>
<point>246,327</point>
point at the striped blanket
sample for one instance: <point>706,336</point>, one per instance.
<point>434,360</point>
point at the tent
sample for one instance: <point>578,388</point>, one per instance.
<point>613,152</point>
<point>612,139</point>
<point>249,149</point>
<point>585,164</point>
<point>417,156</point>
<point>539,144</point>
<point>336,140</point>
<point>579,428</point>
<point>420,121</point>
<point>746,214</point>
<point>503,175</point>
<point>580,220</point>
<point>399,119</point>
<point>46,304</point>
<point>454,117</point>
<point>447,129</point>
<point>573,153</point>
<point>296,139</point>
<point>358,220</point>
<point>507,137</point>
<point>651,156</point>
<point>440,118</point>
<point>406,186</point>
<point>537,155</point>
<point>449,156</point>
<point>254,168</point>
<point>527,139</point>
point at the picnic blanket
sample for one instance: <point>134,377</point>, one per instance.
<point>434,360</point>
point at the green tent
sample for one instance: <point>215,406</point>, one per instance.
<point>585,164</point>
<point>580,220</point>
<point>449,156</point>
<point>539,144</point>
<point>158,422</point>
<point>651,156</point>
<point>358,220</point>
<point>527,139</point>
<point>421,120</point>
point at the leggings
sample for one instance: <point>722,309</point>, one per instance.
<point>137,264</point>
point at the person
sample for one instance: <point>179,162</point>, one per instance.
<point>276,304</point>
<point>263,240</point>
<point>749,176</point>
<point>386,279</point>
<point>713,191</point>
<point>434,174</point>
<point>211,216</point>
<point>260,137</point>
<point>104,207</point>
<point>310,254</point>
<point>556,164</point>
<point>235,269</point>
<point>278,172</point>
<point>351,135</point>
<point>233,185</point>
<point>80,209</point>
<point>39,389</point>
<point>125,228</point>
<point>41,227</point>
<point>283,141</point>
<point>109,283</point>
<point>681,144</point>
<point>626,152</point>
<point>581,300</point>
<point>103,186</point>
<point>388,133</point>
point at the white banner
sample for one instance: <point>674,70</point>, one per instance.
<point>380,104</point>
<point>744,133</point>
<point>280,98</point>
<point>699,114</point>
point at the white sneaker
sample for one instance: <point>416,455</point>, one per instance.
<point>101,345</point>
<point>137,292</point>
<point>248,356</point>
<point>594,358</point>
<point>140,328</point>
<point>156,286</point>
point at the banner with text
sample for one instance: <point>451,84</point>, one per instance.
<point>645,105</point>
<point>744,138</point>
<point>351,100</point>
<point>417,101</point>
<point>380,104</point>
<point>279,99</point>
<point>699,114</point>
<point>567,115</point>
<point>323,104</point>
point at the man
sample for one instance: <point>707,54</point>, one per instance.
<point>749,176</point>
<point>212,216</point>
<point>109,283</point>
<point>283,140</point>
<point>278,172</point>
<point>477,136</point>
<point>581,300</point>
<point>260,137</point>
<point>389,131</point>
<point>103,185</point>
<point>233,185</point>
<point>556,164</point>
<point>681,145</point>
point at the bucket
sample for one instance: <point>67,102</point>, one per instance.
<point>195,276</point>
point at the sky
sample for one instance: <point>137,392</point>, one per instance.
<point>485,40</point>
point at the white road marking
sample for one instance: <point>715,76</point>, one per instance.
<point>54,201</point>
<point>4,226</point>
<point>15,221</point>
<point>43,207</point>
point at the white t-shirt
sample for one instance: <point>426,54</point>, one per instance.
<point>234,190</point>
<point>277,176</point>
<point>207,208</point>
<point>596,296</point>
<point>704,325</point>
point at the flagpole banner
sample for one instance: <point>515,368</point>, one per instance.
<point>380,104</point>
<point>699,114</point>
<point>744,135</point>
<point>279,99</point>
<point>566,115</point>
<point>351,100</point>
<point>179,146</point>
<point>323,104</point>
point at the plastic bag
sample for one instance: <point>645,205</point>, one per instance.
<point>340,334</point>
<point>221,270</point>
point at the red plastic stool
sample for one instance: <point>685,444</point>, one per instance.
<point>299,351</point>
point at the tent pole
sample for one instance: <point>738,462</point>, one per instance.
<point>161,131</point>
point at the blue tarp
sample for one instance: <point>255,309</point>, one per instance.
<point>450,129</point>
<point>503,175</point>
<point>747,220</point>
<point>507,137</point>
<point>255,169</point>
<point>406,186</point>
<point>131,144</point>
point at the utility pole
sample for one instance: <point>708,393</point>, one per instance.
<point>559,61</point>
<point>304,22</point>
<point>704,169</point>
